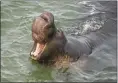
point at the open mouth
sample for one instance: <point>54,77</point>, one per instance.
<point>36,54</point>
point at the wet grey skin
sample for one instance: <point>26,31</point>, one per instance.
<point>84,45</point>
<point>60,44</point>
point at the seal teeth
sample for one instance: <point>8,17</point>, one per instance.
<point>38,51</point>
<point>32,53</point>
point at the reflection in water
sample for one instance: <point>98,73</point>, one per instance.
<point>75,18</point>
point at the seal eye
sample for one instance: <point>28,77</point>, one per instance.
<point>34,36</point>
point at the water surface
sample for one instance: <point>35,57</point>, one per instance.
<point>74,17</point>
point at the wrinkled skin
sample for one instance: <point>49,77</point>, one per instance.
<point>47,40</point>
<point>50,42</point>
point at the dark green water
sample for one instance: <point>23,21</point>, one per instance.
<point>16,41</point>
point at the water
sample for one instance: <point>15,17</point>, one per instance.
<point>74,18</point>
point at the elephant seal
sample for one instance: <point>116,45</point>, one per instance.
<point>50,42</point>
